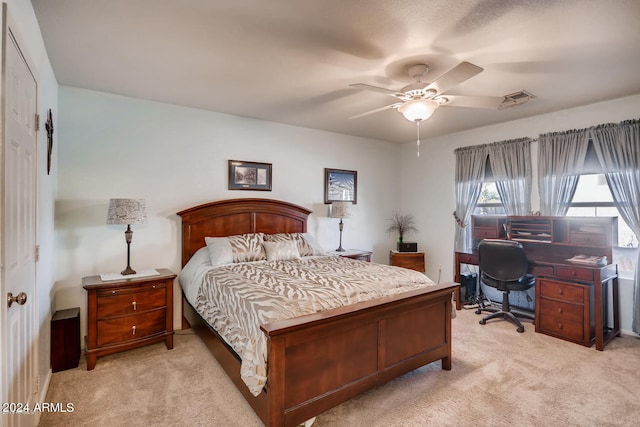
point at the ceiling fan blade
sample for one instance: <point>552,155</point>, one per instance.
<point>377,89</point>
<point>473,101</point>
<point>455,76</point>
<point>387,107</point>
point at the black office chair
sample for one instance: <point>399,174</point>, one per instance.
<point>503,265</point>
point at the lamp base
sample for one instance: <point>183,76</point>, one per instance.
<point>340,249</point>
<point>127,271</point>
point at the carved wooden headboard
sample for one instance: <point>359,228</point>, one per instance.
<point>238,216</point>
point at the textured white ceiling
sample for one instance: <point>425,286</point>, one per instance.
<point>291,61</point>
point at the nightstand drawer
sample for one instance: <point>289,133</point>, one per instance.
<point>410,260</point>
<point>131,327</point>
<point>561,291</point>
<point>119,302</point>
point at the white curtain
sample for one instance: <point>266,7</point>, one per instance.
<point>511,167</point>
<point>561,158</point>
<point>470,166</point>
<point>618,150</point>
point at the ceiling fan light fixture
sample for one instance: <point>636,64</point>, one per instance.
<point>418,109</point>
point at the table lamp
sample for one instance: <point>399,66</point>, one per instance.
<point>127,211</point>
<point>341,210</point>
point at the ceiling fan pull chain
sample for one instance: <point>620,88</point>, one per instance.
<point>418,141</point>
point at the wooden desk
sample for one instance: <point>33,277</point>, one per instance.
<point>558,273</point>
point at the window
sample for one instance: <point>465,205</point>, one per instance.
<point>593,198</point>
<point>489,202</point>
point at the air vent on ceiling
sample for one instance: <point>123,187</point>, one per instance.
<point>516,98</point>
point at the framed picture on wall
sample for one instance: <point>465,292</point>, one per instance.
<point>340,186</point>
<point>249,175</point>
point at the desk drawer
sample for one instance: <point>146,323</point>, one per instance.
<point>574,273</point>
<point>468,259</point>
<point>587,239</point>
<point>559,312</point>
<point>541,270</point>
<point>485,233</point>
<point>563,328</point>
<point>561,291</point>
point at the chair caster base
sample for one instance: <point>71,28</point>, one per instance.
<point>520,329</point>
<point>482,322</point>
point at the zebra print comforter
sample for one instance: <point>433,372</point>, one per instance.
<point>237,298</point>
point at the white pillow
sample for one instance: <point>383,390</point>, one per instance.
<point>220,252</point>
<point>281,251</point>
<point>317,249</point>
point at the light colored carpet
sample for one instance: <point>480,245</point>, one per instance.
<point>499,378</point>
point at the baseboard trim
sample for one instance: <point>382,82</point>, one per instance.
<point>43,393</point>
<point>629,333</point>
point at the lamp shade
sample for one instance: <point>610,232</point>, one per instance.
<point>418,109</point>
<point>341,209</point>
<point>127,211</point>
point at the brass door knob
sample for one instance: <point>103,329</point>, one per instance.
<point>21,298</point>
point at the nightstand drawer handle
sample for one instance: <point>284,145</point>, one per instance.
<point>560,291</point>
<point>559,325</point>
<point>135,306</point>
<point>560,310</point>
<point>133,330</point>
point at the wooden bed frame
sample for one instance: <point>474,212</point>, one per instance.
<point>318,361</point>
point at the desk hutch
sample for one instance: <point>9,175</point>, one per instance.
<point>571,297</point>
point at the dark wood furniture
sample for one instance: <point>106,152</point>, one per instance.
<point>318,361</point>
<point>565,310</point>
<point>355,254</point>
<point>571,299</point>
<point>128,313</point>
<point>411,260</point>
<point>65,339</point>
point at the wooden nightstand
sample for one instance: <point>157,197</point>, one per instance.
<point>411,260</point>
<point>354,254</point>
<point>128,313</point>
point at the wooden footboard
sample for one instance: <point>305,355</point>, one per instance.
<point>318,361</point>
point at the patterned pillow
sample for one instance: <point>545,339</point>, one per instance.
<point>304,248</point>
<point>240,248</point>
<point>281,251</point>
<point>247,247</point>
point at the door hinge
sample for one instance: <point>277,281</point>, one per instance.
<point>37,122</point>
<point>37,253</point>
<point>37,384</point>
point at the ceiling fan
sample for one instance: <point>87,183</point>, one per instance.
<point>418,100</point>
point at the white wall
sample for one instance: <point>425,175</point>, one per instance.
<point>428,181</point>
<point>176,157</point>
<point>24,24</point>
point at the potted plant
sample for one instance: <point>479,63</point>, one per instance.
<point>402,224</point>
